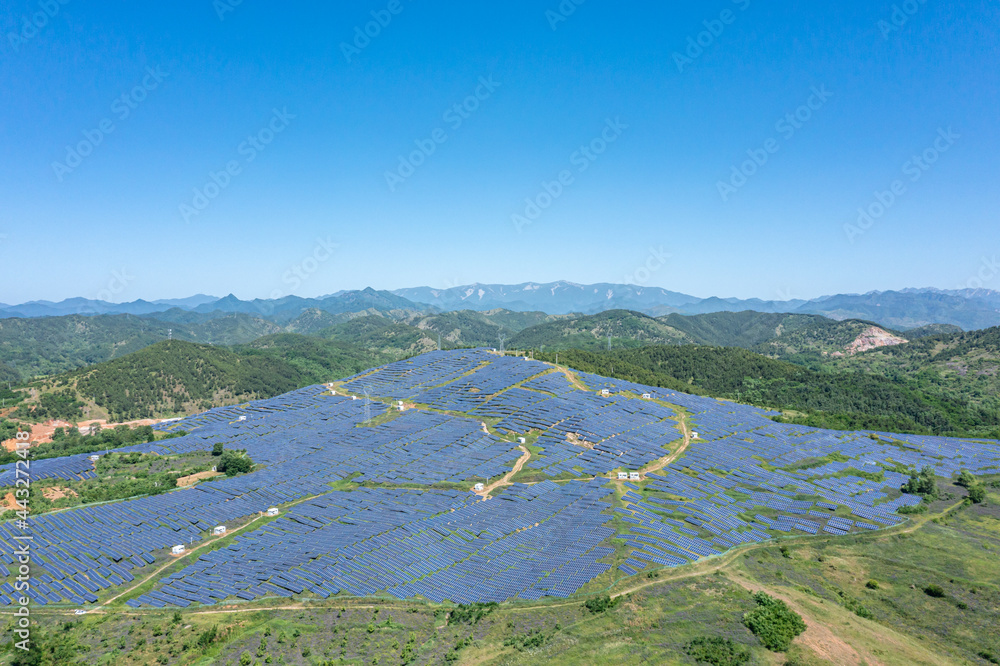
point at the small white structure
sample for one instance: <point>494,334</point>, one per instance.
<point>623,476</point>
<point>219,530</point>
<point>522,440</point>
<point>633,476</point>
<point>354,397</point>
<point>605,392</point>
<point>242,418</point>
<point>647,396</point>
<point>273,511</point>
<point>177,550</point>
<point>94,458</point>
<point>400,406</point>
<point>479,487</point>
<point>694,435</point>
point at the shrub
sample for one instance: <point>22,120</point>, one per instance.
<point>601,603</point>
<point>872,585</point>
<point>935,591</point>
<point>717,651</point>
<point>989,656</point>
<point>217,449</point>
<point>529,641</point>
<point>471,613</point>
<point>977,494</point>
<point>773,623</point>
<point>965,479</point>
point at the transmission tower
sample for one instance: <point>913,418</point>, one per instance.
<point>368,406</point>
<point>503,339</point>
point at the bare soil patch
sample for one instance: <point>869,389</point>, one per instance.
<point>195,478</point>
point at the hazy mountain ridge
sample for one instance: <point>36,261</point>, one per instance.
<point>904,309</point>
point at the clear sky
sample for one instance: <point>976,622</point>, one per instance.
<point>157,150</point>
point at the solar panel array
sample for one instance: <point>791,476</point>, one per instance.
<point>745,479</point>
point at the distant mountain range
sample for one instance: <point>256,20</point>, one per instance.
<point>901,310</point>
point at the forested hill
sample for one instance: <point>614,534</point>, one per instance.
<point>623,327</point>
<point>845,400</point>
<point>50,345</point>
<point>175,377</point>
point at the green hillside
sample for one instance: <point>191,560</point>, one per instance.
<point>821,339</point>
<point>379,334</point>
<point>625,328</point>
<point>468,328</point>
<point>49,345</point>
<point>175,377</point>
<point>741,329</point>
<point>852,400</point>
<point>960,364</point>
<point>932,329</point>
<point>317,360</point>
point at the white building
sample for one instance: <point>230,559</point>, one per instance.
<point>522,440</point>
<point>647,396</point>
<point>178,549</point>
<point>219,530</point>
<point>633,476</point>
<point>605,392</point>
<point>242,418</point>
<point>273,511</point>
<point>94,458</point>
<point>694,435</point>
<point>479,487</point>
<point>623,476</point>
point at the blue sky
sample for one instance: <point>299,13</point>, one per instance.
<point>264,151</point>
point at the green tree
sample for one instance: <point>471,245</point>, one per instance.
<point>922,483</point>
<point>217,449</point>
<point>965,479</point>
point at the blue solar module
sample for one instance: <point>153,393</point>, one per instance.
<point>736,484</point>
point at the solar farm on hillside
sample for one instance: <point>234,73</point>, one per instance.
<point>377,500</point>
